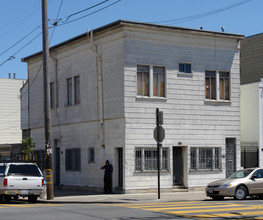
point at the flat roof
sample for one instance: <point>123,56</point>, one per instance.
<point>136,24</point>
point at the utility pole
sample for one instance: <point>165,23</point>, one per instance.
<point>48,147</point>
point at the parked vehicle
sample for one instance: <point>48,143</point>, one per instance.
<point>243,183</point>
<point>20,179</point>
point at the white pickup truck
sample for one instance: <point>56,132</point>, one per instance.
<point>20,179</point>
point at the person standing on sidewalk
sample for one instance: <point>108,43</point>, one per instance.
<point>108,169</point>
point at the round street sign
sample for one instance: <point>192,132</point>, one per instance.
<point>159,137</point>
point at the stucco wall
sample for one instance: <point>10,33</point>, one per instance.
<point>249,107</point>
<point>10,118</point>
<point>91,123</point>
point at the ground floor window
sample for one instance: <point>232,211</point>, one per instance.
<point>73,161</point>
<point>205,158</point>
<point>146,159</point>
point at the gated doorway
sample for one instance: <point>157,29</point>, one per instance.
<point>57,162</point>
<point>120,168</point>
<point>230,156</point>
<point>178,166</point>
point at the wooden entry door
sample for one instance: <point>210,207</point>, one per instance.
<point>177,166</point>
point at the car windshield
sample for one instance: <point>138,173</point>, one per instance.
<point>24,170</point>
<point>240,174</point>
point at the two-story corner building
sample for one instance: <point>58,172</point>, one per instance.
<point>10,131</point>
<point>251,78</point>
<point>105,87</point>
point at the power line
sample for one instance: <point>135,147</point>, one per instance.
<point>201,15</point>
<point>19,40</point>
<point>56,21</point>
<point>13,56</point>
<point>86,9</point>
<point>67,22</point>
<point>64,23</point>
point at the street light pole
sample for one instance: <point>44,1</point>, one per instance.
<point>48,147</point>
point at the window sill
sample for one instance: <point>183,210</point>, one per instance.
<point>71,106</point>
<point>189,75</point>
<point>153,98</point>
<point>152,171</point>
<point>205,170</point>
<point>217,101</point>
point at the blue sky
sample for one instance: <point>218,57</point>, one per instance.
<point>20,21</point>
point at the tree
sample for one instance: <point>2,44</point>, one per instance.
<point>28,148</point>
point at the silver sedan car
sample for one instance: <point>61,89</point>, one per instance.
<point>243,183</point>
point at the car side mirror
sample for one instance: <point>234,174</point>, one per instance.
<point>253,177</point>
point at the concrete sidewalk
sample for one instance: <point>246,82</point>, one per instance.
<point>63,196</point>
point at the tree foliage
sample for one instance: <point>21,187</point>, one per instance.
<point>28,148</point>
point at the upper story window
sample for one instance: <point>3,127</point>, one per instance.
<point>73,91</point>
<point>159,81</point>
<point>52,95</point>
<point>224,83</point>
<point>185,68</point>
<point>69,91</point>
<point>217,85</point>
<point>143,80</point>
<point>150,81</point>
<point>76,90</point>
<point>210,85</point>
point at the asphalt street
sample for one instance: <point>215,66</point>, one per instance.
<point>181,205</point>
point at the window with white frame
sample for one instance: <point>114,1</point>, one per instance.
<point>73,159</point>
<point>146,159</point>
<point>185,68</point>
<point>69,91</point>
<point>224,83</point>
<point>205,158</point>
<point>150,81</point>
<point>217,85</point>
<point>143,74</point>
<point>76,90</point>
<point>73,90</point>
<point>210,85</point>
<point>158,81</point>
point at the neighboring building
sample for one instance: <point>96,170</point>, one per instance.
<point>251,64</point>
<point>10,130</point>
<point>25,111</point>
<point>105,86</point>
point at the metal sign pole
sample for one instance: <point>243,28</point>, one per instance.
<point>159,135</point>
<point>158,152</point>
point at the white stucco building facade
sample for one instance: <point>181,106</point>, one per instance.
<point>105,87</point>
<point>10,130</point>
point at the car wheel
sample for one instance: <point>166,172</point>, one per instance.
<point>217,197</point>
<point>32,199</point>
<point>241,193</point>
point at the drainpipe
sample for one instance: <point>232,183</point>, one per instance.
<point>56,83</point>
<point>260,129</point>
<point>100,99</point>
